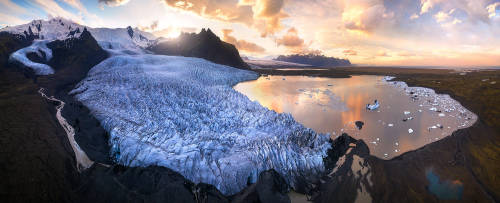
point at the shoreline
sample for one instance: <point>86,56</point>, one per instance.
<point>477,145</point>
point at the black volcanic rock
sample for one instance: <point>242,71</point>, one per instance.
<point>314,60</point>
<point>270,187</point>
<point>202,45</point>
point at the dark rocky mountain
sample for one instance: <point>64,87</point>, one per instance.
<point>202,45</point>
<point>315,60</point>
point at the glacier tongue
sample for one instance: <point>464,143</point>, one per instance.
<point>37,47</point>
<point>182,113</point>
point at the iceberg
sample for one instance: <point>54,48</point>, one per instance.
<point>182,113</point>
<point>373,106</point>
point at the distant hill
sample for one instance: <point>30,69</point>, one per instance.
<point>202,45</point>
<point>314,60</point>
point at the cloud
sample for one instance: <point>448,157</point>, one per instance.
<point>291,39</point>
<point>350,52</point>
<point>492,9</point>
<point>113,3</point>
<point>172,32</point>
<point>149,28</point>
<point>241,45</point>
<point>53,9</point>
<point>406,54</point>
<point>265,15</point>
<point>365,15</point>
<point>383,54</point>
<point>475,10</point>
<point>426,6</point>
<point>441,16</point>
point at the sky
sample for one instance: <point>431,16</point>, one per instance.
<point>367,32</point>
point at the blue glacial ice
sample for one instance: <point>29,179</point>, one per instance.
<point>37,47</point>
<point>182,113</point>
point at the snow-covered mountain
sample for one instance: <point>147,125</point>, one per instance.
<point>130,40</point>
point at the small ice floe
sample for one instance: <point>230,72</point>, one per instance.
<point>390,125</point>
<point>378,139</point>
<point>439,126</point>
<point>397,143</point>
<point>441,115</point>
<point>387,78</point>
<point>386,155</point>
<point>407,119</point>
<point>373,142</point>
<point>396,150</point>
<point>420,110</point>
<point>433,109</point>
<point>406,112</point>
<point>373,106</point>
<point>410,131</point>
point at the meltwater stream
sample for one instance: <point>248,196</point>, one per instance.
<point>82,160</point>
<point>407,119</point>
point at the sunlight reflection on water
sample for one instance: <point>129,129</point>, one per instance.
<point>333,105</point>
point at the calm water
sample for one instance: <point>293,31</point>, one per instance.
<point>333,105</point>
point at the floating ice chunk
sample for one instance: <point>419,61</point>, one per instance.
<point>387,78</point>
<point>433,109</point>
<point>390,125</point>
<point>373,106</point>
<point>406,112</point>
<point>441,115</point>
<point>397,144</point>
<point>407,119</point>
<point>38,47</point>
<point>410,131</point>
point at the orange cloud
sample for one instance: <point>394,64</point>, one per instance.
<point>149,28</point>
<point>383,53</point>
<point>364,15</point>
<point>291,39</point>
<point>264,15</point>
<point>241,45</point>
<point>350,52</point>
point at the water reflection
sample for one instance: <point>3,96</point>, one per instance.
<point>332,105</point>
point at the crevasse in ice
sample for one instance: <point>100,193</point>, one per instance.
<point>182,113</point>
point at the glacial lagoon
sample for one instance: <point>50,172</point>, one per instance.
<point>407,118</point>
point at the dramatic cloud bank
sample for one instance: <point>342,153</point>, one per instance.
<point>241,45</point>
<point>410,32</point>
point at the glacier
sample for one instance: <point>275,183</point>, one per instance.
<point>182,113</point>
<point>38,47</point>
